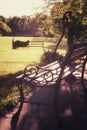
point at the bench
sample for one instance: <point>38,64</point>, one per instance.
<point>36,43</point>
<point>51,75</point>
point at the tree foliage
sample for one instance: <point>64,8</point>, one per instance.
<point>79,19</point>
<point>4,28</point>
<point>48,25</point>
<point>30,26</point>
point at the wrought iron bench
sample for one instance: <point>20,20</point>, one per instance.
<point>52,74</point>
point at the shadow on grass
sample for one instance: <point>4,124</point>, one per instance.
<point>8,93</point>
<point>8,78</point>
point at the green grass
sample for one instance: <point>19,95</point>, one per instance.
<point>9,93</point>
<point>13,62</point>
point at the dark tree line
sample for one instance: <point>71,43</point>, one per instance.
<point>48,26</point>
<point>27,26</point>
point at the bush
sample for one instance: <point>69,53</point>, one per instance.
<point>49,57</point>
<point>6,108</point>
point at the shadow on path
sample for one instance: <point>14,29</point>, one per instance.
<point>72,109</point>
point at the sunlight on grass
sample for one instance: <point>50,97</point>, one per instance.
<point>13,60</point>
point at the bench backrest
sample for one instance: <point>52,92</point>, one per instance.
<point>77,51</point>
<point>36,43</point>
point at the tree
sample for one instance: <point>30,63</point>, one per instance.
<point>79,10</point>
<point>44,25</point>
<point>4,28</point>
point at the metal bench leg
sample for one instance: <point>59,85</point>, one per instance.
<point>82,77</point>
<point>82,81</point>
<point>56,98</point>
<point>56,103</point>
<point>56,108</point>
<point>15,117</point>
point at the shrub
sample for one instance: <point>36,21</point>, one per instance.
<point>6,108</point>
<point>50,56</point>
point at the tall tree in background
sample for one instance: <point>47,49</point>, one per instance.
<point>4,28</point>
<point>44,25</point>
<point>79,19</point>
<point>79,9</point>
<point>13,25</point>
<point>49,23</point>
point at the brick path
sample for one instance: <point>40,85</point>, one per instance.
<point>71,110</point>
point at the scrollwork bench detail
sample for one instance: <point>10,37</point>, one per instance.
<point>52,74</point>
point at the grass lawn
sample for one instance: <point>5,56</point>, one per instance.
<point>13,62</point>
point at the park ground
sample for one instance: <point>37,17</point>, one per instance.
<point>72,102</point>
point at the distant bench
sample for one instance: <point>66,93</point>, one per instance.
<point>37,43</point>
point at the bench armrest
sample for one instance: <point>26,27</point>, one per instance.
<point>32,71</point>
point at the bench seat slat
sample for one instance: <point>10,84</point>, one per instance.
<point>82,44</point>
<point>55,77</point>
<point>40,80</point>
<point>35,46</point>
<point>36,43</point>
<point>81,48</point>
<point>78,51</point>
<point>45,72</point>
<point>77,56</point>
<point>50,66</point>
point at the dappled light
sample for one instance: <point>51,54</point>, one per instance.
<point>65,88</point>
<point>68,112</point>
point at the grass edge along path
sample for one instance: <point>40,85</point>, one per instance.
<point>9,93</point>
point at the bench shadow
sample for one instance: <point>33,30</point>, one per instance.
<point>72,110</point>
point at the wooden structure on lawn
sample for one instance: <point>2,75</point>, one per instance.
<point>37,43</point>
